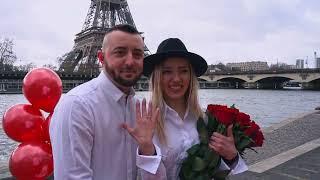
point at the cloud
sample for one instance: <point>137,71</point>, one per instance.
<point>226,31</point>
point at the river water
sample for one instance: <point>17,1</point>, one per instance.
<point>266,107</point>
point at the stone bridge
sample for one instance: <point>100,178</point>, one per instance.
<point>309,78</point>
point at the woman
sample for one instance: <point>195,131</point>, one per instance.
<point>173,73</point>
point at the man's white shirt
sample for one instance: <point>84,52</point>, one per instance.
<point>86,135</point>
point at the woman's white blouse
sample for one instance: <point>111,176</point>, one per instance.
<point>181,134</point>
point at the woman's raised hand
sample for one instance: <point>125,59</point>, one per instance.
<point>146,118</point>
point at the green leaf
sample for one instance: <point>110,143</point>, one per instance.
<point>215,161</point>
<point>238,135</point>
<point>193,149</point>
<point>198,164</point>
<point>221,175</point>
<point>212,124</point>
<point>244,142</point>
<point>208,155</point>
<point>185,172</point>
<point>202,150</point>
<point>221,129</point>
<point>202,131</point>
<point>202,177</point>
<point>236,127</point>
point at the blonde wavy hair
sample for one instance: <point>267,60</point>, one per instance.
<point>158,99</point>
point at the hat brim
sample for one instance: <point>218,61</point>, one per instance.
<point>198,64</point>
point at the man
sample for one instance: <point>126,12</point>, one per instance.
<point>86,135</point>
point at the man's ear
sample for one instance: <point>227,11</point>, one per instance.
<point>100,57</point>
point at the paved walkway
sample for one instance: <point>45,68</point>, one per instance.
<point>303,167</point>
<point>4,170</point>
<point>291,152</point>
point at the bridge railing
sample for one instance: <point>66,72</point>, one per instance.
<point>309,70</point>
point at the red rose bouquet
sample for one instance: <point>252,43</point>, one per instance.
<point>201,161</point>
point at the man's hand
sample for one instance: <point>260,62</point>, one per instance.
<point>224,145</point>
<point>145,126</point>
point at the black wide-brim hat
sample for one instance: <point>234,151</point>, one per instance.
<point>174,47</point>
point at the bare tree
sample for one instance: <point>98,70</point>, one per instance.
<point>280,66</point>
<point>26,67</point>
<point>60,60</point>
<point>7,56</point>
<point>50,66</point>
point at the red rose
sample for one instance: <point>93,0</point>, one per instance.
<point>252,130</point>
<point>258,139</point>
<point>223,114</point>
<point>235,111</point>
<point>245,128</point>
<point>243,119</point>
<point>212,108</point>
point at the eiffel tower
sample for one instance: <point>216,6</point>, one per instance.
<point>101,16</point>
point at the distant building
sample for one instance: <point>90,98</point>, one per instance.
<point>212,68</point>
<point>282,66</point>
<point>289,66</point>
<point>318,62</point>
<point>248,66</point>
<point>300,63</point>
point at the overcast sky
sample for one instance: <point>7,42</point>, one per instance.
<point>219,30</point>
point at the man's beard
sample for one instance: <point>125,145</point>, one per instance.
<point>118,79</point>
<point>124,82</point>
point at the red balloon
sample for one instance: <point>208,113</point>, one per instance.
<point>45,126</point>
<point>43,88</point>
<point>31,160</point>
<point>23,122</point>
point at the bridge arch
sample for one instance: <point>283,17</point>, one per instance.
<point>314,79</point>
<point>313,84</point>
<point>272,82</point>
<point>282,78</point>
<point>233,81</point>
<point>231,78</point>
<point>202,79</point>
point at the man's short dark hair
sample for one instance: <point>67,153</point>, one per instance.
<point>127,28</point>
<point>124,28</point>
